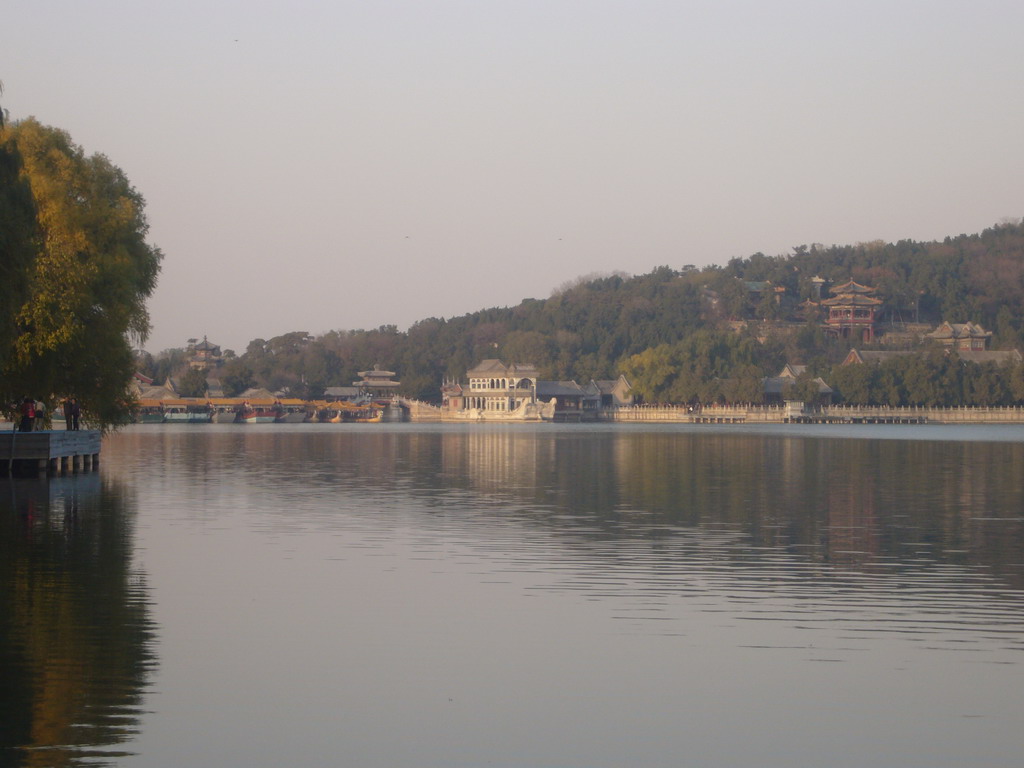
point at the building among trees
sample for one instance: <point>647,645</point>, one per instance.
<point>795,383</point>
<point>494,386</point>
<point>204,355</point>
<point>961,336</point>
<point>852,312</point>
<point>611,392</point>
<point>377,383</point>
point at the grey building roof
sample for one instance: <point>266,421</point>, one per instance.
<point>775,384</point>
<point>999,357</point>
<point>207,346</point>
<point>559,389</point>
<point>342,391</point>
<point>494,367</point>
<point>876,356</point>
<point>257,393</point>
<point>607,386</point>
<point>851,287</point>
<point>959,331</point>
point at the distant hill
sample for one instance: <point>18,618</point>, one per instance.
<point>734,322</point>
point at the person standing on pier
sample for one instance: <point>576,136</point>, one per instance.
<point>40,416</point>
<point>71,413</point>
<point>28,414</point>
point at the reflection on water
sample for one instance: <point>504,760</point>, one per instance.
<point>74,632</point>
<point>756,502</point>
<point>850,502</point>
<point>522,595</point>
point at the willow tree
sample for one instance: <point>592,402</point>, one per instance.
<point>82,303</point>
<point>17,241</point>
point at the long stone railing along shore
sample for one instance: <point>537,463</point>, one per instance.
<point>787,413</point>
<point>792,413</point>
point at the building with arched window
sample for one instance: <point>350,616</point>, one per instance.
<point>494,386</point>
<point>501,392</point>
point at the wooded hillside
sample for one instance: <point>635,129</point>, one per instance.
<point>683,333</point>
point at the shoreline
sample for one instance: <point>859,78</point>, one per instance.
<point>789,413</point>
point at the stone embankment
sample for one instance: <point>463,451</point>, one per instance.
<point>797,413</point>
<point>787,413</point>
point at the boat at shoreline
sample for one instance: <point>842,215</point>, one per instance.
<point>151,414</point>
<point>258,415</point>
<point>293,411</point>
<point>373,416</point>
<point>190,411</point>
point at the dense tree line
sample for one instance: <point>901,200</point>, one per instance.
<point>687,334</point>
<point>932,378</point>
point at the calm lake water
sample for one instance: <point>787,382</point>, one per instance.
<point>420,595</point>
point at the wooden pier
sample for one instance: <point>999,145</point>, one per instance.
<point>49,452</point>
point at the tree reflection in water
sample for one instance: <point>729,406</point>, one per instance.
<point>862,503</point>
<point>75,635</point>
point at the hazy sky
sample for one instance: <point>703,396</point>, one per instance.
<point>334,165</point>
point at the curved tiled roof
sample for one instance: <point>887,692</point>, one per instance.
<point>852,299</point>
<point>851,286</point>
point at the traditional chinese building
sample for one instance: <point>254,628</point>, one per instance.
<point>776,388</point>
<point>966,337</point>
<point>204,355</point>
<point>875,357</point>
<point>344,394</point>
<point>852,312</point>
<point>377,383</point>
<point>568,398</point>
<point>611,392</point>
<point>453,395</point>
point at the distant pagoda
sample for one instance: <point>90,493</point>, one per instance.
<point>377,383</point>
<point>852,312</point>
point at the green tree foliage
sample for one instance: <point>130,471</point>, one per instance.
<point>87,281</point>
<point>167,364</point>
<point>236,377</point>
<point>932,379</point>
<point>192,383</point>
<point>853,383</point>
<point>703,367</point>
<point>804,389</point>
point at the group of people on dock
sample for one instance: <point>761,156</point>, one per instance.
<point>33,415</point>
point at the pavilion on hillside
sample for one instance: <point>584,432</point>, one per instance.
<point>852,312</point>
